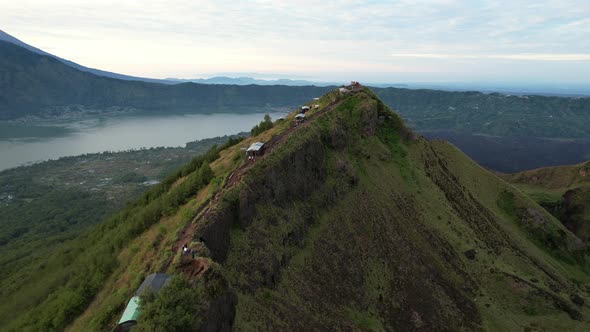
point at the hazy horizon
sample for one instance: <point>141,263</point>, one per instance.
<point>436,41</point>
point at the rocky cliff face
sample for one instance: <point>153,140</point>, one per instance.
<point>297,175</point>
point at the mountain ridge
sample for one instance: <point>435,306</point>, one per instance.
<point>13,40</point>
<point>267,196</point>
<point>349,221</point>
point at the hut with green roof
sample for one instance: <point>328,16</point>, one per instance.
<point>154,282</point>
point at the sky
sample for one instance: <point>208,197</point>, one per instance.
<point>541,41</point>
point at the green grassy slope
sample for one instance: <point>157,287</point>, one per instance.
<point>45,288</point>
<point>374,230</point>
<point>563,190</point>
<point>349,222</point>
<point>48,205</point>
<point>559,179</point>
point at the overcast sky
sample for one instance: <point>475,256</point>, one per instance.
<point>372,41</point>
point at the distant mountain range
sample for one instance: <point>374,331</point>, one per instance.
<point>250,80</point>
<point>552,89</point>
<point>36,84</point>
<point>213,80</point>
<point>10,39</point>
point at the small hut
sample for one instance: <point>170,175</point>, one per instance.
<point>255,150</point>
<point>154,282</point>
<point>305,109</point>
<point>299,118</point>
<point>129,318</point>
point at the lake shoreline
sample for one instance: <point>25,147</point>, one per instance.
<point>29,143</point>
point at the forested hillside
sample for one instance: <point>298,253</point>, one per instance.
<point>46,206</point>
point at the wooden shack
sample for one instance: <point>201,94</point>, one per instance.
<point>255,150</point>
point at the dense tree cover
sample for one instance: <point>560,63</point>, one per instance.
<point>46,205</point>
<point>72,275</point>
<point>262,126</point>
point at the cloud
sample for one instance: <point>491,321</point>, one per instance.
<point>307,37</point>
<point>523,56</point>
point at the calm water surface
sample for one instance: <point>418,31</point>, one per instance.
<point>27,143</point>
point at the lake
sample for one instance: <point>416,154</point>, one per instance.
<point>26,143</point>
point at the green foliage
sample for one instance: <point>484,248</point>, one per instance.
<point>130,177</point>
<point>564,191</point>
<point>506,202</point>
<point>362,250</point>
<point>263,126</point>
<point>365,322</point>
<point>389,134</point>
<point>549,237</point>
<point>51,202</point>
<point>77,271</point>
<point>174,309</point>
<point>311,244</point>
